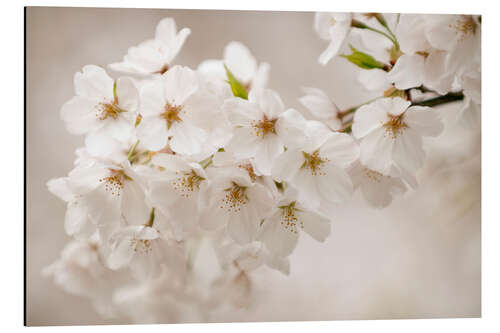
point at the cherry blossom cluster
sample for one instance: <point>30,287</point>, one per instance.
<point>175,157</point>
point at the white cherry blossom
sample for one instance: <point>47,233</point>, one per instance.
<point>258,127</point>
<point>101,106</point>
<point>318,169</point>
<point>234,202</point>
<point>154,56</point>
<point>171,107</point>
<point>280,232</point>
<point>321,107</point>
<point>333,27</point>
<point>242,64</point>
<point>378,190</point>
<point>391,132</point>
<point>176,190</point>
<point>143,249</point>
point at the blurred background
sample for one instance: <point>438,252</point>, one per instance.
<point>419,258</point>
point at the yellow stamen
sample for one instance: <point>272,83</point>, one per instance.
<point>171,114</point>
<point>314,162</point>
<point>264,126</point>
<point>395,125</point>
<point>234,199</point>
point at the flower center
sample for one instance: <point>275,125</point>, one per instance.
<point>187,183</point>
<point>115,182</point>
<point>108,110</point>
<point>264,126</point>
<point>314,162</point>
<point>162,70</point>
<point>141,245</point>
<point>464,26</point>
<point>249,168</point>
<point>373,175</point>
<point>288,218</point>
<point>171,114</point>
<point>235,198</point>
<point>332,21</point>
<point>395,125</point>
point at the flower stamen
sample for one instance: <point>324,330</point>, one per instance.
<point>395,125</point>
<point>187,183</point>
<point>289,219</point>
<point>264,126</point>
<point>171,114</point>
<point>108,110</point>
<point>235,198</point>
<point>464,26</point>
<point>314,162</point>
<point>115,182</point>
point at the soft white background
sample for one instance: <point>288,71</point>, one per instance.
<point>15,214</point>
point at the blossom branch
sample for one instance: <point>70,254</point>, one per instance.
<point>448,98</point>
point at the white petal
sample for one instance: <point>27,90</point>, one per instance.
<point>101,144</point>
<point>278,240</point>
<point>76,219</point>
<point>376,151</point>
<point>242,226</point>
<point>290,128</point>
<point>437,75</point>
<point>374,79</point>
<point>145,59</point>
<point>316,225</point>
<point>134,209</point>
<point>187,139</point>
<point>93,82</point>
<point>261,77</point>
<point>244,143</point>
<point>469,116</point>
<point>307,186</point>
<point>60,188</point>
<point>340,149</point>
<point>172,163</point>
<point>241,112</point>
<point>322,24</point>
<point>379,191</point>
<point>128,96</point>
<point>408,153</point>
<point>153,98</point>
<point>334,185</point>
<point>240,61</point>
<point>166,30</point>
<point>268,101</point>
<point>152,132</point>
<point>213,68</point>
<point>80,115</point>
<point>424,120</point>
<point>180,83</point>
<point>370,117</point>
<point>318,103</point>
<point>287,165</point>
<point>408,71</point>
<point>410,32</point>
<point>122,255</point>
<point>267,151</point>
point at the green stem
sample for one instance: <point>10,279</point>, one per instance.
<point>361,25</point>
<point>448,98</point>
<point>206,162</point>
<point>151,218</point>
<point>132,150</point>
<point>354,108</point>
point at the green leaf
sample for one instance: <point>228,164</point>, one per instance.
<point>364,60</point>
<point>236,86</point>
